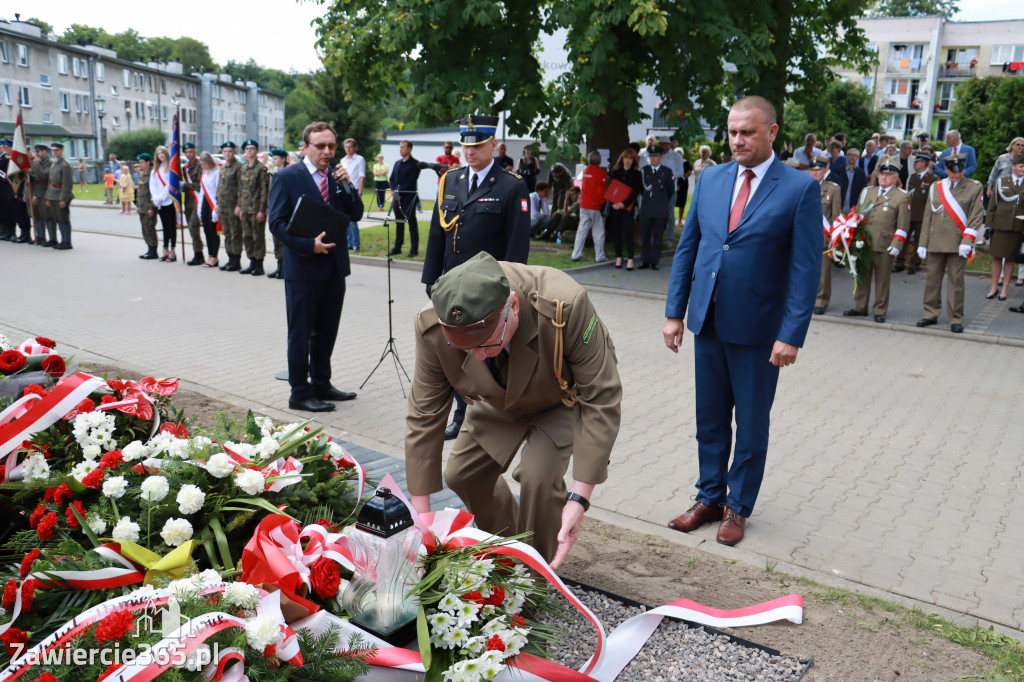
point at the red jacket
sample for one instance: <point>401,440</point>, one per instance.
<point>592,191</point>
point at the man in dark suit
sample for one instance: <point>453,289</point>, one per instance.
<point>854,178</point>
<point>957,146</point>
<point>747,268</point>
<point>405,177</point>
<point>482,207</point>
<point>314,271</point>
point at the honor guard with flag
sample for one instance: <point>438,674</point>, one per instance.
<point>227,207</point>
<point>6,193</point>
<point>831,208</point>
<point>40,180</point>
<point>190,174</point>
<point>481,207</point>
<point>918,187</point>
<point>145,206</point>
<point>952,218</point>
<point>253,194</point>
<point>58,198</point>
<point>18,175</point>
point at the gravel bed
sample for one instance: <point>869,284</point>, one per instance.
<point>674,651</point>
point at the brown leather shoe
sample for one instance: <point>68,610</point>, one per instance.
<point>731,530</point>
<point>695,517</point>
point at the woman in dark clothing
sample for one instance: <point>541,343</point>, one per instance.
<point>529,169</point>
<point>620,219</point>
<point>682,189</point>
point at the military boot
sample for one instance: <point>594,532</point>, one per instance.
<point>65,237</point>
<point>248,270</point>
<point>276,274</point>
<point>257,267</point>
<point>150,254</point>
<point>234,263</point>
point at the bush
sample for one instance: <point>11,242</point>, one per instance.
<point>988,114</point>
<point>127,146</point>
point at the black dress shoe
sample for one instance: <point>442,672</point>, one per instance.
<point>655,267</point>
<point>911,271</point>
<point>818,310</point>
<point>925,322</point>
<point>1017,309</point>
<point>879,318</point>
<point>898,268</point>
<point>336,395</point>
<point>397,251</point>
<point>452,430</point>
<point>956,328</point>
<point>413,254</point>
<point>854,313</point>
<point>643,266</point>
<point>309,405</point>
<point>149,255</point>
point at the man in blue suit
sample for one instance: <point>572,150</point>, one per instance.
<point>314,271</point>
<point>747,269</point>
<point>957,146</point>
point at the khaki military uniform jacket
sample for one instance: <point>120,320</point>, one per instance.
<point>227,190</point>
<point>500,418</point>
<point>61,181</point>
<point>938,231</point>
<point>143,200</point>
<point>1006,204</point>
<point>253,188</point>
<point>831,203</point>
<point>40,174</point>
<point>195,170</point>
<point>918,187</point>
<point>886,216</point>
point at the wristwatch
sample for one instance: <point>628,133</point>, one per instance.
<point>576,497</point>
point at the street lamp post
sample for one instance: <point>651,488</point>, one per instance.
<point>100,113</point>
<point>128,116</point>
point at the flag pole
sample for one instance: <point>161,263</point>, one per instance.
<point>27,180</point>
<point>181,198</point>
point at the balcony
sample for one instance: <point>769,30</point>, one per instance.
<point>953,70</point>
<point>944,106</point>
<point>915,65</point>
<point>901,102</point>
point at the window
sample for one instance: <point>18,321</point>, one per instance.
<point>78,104</point>
<point>47,117</point>
<point>163,87</point>
<point>961,55</point>
<point>72,148</point>
<point>5,55</point>
<point>44,80</point>
<point>65,101</point>
<point>85,104</point>
<point>113,90</point>
<point>1001,54</point>
<point>62,63</point>
<point>7,95</point>
<point>165,113</point>
<point>101,71</point>
<point>22,54</point>
<point>74,67</point>
<point>127,79</point>
<point>26,96</point>
<point>116,123</point>
<point>869,83</point>
<point>85,68</point>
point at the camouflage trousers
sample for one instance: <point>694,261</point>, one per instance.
<point>232,227</point>
<point>195,227</point>
<point>254,236</point>
<point>148,228</point>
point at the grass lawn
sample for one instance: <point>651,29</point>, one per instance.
<point>93,191</point>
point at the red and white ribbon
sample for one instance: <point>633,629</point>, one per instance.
<point>954,210</point>
<point>901,235</point>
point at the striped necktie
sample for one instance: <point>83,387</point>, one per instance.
<point>323,186</point>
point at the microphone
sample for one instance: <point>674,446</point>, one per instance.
<point>344,183</point>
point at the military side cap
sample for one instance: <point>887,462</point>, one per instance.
<point>254,143</point>
<point>1018,158</point>
<point>42,146</point>
<point>922,156</point>
<point>278,152</point>
<point>889,164</point>
<point>229,144</point>
<point>476,129</point>
<point>58,145</point>
<point>144,157</point>
<point>654,150</point>
<point>469,298</point>
<point>818,162</point>
<point>955,162</point>
<point>922,136</point>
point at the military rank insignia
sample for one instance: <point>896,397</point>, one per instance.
<point>590,329</point>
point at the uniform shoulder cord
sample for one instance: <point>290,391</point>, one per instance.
<point>570,400</point>
<point>446,225</point>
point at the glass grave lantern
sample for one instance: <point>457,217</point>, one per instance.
<point>385,548</point>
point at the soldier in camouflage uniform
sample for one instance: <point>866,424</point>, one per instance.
<point>190,191</point>
<point>58,199</point>
<point>279,157</point>
<point>227,207</point>
<point>254,190</point>
<point>147,211</point>
<point>40,174</point>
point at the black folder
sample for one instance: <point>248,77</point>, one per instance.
<point>312,216</point>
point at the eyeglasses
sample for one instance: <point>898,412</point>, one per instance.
<point>324,145</point>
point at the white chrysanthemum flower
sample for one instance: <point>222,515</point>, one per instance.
<point>126,529</point>
<point>251,481</point>
<point>267,447</point>
<point>335,451</point>
<point>449,602</point>
<point>459,637</point>
<point>176,531</point>
<point>80,470</point>
<point>154,488</point>
<point>36,468</point>
<point>220,465</point>
<point>195,659</point>
<point>466,614</point>
<point>493,626</point>
<point>264,422</point>
<point>207,577</point>
<point>133,451</point>
<point>287,428</point>
<point>441,621</point>
<point>190,499</point>
<point>241,449</point>
<point>91,451</point>
<point>97,525</point>
<point>184,589</point>
<point>242,595</point>
<point>261,632</point>
<point>475,645</point>
<point>115,487</point>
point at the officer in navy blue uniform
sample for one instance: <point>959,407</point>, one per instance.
<point>659,185</point>
<point>480,207</point>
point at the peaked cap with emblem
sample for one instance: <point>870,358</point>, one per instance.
<point>956,162</point>
<point>818,162</point>
<point>889,164</point>
<point>469,298</point>
<point>475,129</point>
<point>922,156</point>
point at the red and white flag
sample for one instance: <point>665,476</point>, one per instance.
<point>19,152</point>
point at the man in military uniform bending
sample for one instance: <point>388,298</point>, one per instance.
<point>40,174</point>
<point>526,348</point>
<point>482,207</point>
<point>190,190</point>
<point>227,207</point>
<point>918,185</point>
<point>254,190</point>
<point>144,204</point>
<point>58,199</point>
<point>831,207</point>
<point>952,219</point>
<point>888,221</point>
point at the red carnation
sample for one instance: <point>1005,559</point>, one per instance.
<point>14,639</point>
<point>26,563</point>
<point>54,365</point>
<point>36,389</point>
<point>158,386</point>
<point>93,478</point>
<point>115,626</point>
<point>81,408</point>
<point>28,592</point>
<point>107,399</point>
<point>62,494</point>
<point>11,361</point>
<point>72,520</point>
<point>10,593</point>
<point>46,677</point>
<point>117,384</point>
<point>111,669</point>
<point>3,472</point>
<point>495,644</point>
<point>518,621</point>
<point>111,459</point>
<point>325,577</point>
<point>43,341</point>
<point>475,597</point>
<point>46,526</point>
<point>37,514</point>
<point>497,596</point>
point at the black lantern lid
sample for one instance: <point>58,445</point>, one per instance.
<point>383,515</point>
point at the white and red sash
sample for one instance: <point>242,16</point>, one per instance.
<point>209,200</point>
<point>191,191</point>
<point>954,209</point>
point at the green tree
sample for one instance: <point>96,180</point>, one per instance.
<point>130,145</point>
<point>44,26</point>
<point>130,45</point>
<point>193,54</point>
<point>847,108</point>
<point>270,79</point>
<point>321,97</point>
<point>988,114</point>
<point>80,34</point>
<point>914,8</point>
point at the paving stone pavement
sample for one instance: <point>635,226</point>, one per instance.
<point>894,460</point>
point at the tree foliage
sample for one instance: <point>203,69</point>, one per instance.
<point>130,145</point>
<point>321,97</point>
<point>44,26</point>
<point>193,54</point>
<point>266,78</point>
<point>988,114</point>
<point>848,109</point>
<point>915,8</point>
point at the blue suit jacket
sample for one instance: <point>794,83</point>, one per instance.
<point>763,276</point>
<point>300,263</point>
<point>972,160</point>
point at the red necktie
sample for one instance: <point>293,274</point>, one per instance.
<point>741,201</point>
<point>323,186</point>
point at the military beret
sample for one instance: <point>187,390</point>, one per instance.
<point>58,145</point>
<point>654,150</point>
<point>1018,158</point>
<point>278,152</point>
<point>889,164</point>
<point>955,162</point>
<point>818,162</point>
<point>254,143</point>
<point>469,298</point>
<point>922,156</point>
<point>475,129</point>
<point>189,145</point>
<point>144,157</point>
<point>229,144</point>
<point>42,146</point>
